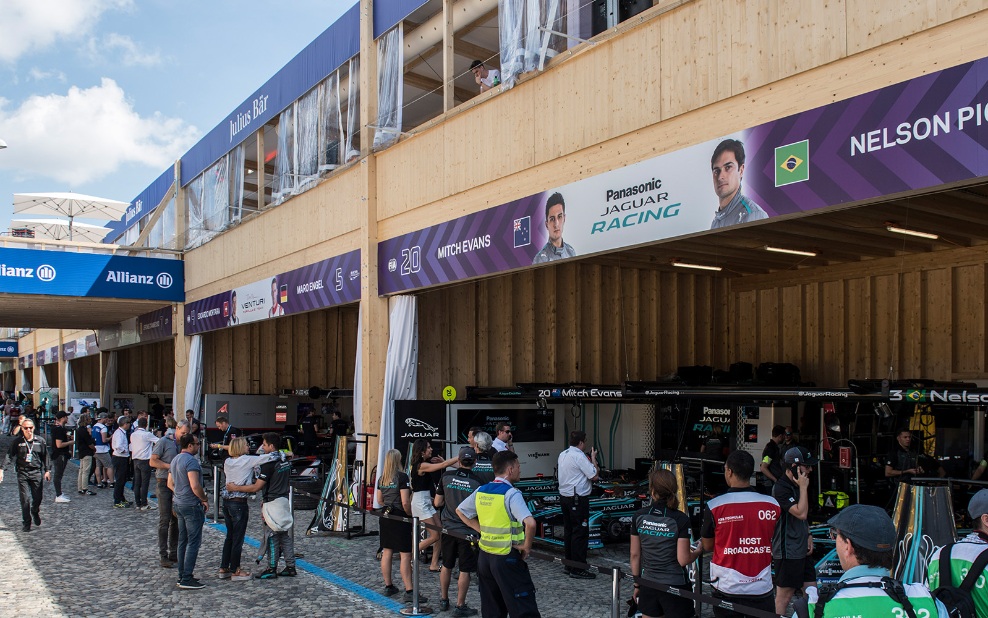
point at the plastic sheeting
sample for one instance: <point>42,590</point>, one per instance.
<point>331,144</point>
<point>523,45</point>
<point>352,147</point>
<point>193,383</point>
<point>389,88</point>
<point>284,168</point>
<point>110,378</point>
<point>194,219</point>
<point>69,383</point>
<point>237,189</point>
<point>401,370</point>
<point>26,381</point>
<point>307,140</point>
<point>216,195</point>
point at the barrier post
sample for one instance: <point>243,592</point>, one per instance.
<point>615,592</point>
<point>415,610</point>
<point>216,494</point>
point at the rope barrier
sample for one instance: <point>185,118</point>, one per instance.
<point>617,575</point>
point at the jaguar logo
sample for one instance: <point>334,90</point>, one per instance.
<point>414,422</point>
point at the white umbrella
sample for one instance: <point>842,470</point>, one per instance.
<point>61,229</point>
<point>69,205</point>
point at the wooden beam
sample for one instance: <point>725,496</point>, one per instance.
<point>448,40</point>
<point>474,52</point>
<point>428,84</point>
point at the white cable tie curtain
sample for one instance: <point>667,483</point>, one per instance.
<point>284,161</point>
<point>110,380</point>
<point>193,383</point>
<point>401,370</point>
<point>332,133</point>
<point>358,391</point>
<point>389,88</point>
<point>307,141</point>
<point>352,149</point>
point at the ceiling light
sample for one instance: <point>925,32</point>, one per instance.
<point>902,230</point>
<point>696,266</point>
<point>791,251</point>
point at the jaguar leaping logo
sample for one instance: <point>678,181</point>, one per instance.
<point>414,422</point>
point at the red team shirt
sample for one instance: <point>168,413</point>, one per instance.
<point>741,523</point>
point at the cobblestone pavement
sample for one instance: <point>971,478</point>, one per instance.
<point>89,559</point>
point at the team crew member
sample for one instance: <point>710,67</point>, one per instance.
<point>964,553</point>
<point>503,440</point>
<point>738,528</point>
<point>30,457</point>
<point>770,467</point>
<point>453,489</point>
<point>483,468</point>
<point>498,512</point>
<point>660,550</point>
<point>792,544</point>
<point>61,452</point>
<point>865,539</point>
<point>576,474</point>
<point>902,461</point>
<point>394,494</point>
<point>229,433</point>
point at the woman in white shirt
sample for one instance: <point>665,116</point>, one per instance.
<point>239,469</point>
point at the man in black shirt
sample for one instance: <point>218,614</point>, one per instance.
<point>30,456</point>
<point>61,453</point>
<point>453,489</point>
<point>311,425</point>
<point>274,483</point>
<point>229,433</point>
<point>792,544</point>
<point>770,467</point>
<point>902,462</point>
<point>340,427</point>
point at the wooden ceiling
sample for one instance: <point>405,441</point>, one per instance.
<point>837,236</point>
<point>23,311</point>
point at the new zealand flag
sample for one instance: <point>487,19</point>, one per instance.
<point>523,232</point>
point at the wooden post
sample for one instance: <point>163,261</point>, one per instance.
<point>448,70</point>
<point>368,78</point>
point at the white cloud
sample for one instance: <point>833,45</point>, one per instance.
<point>37,75</point>
<point>123,50</point>
<point>87,134</point>
<point>35,24</point>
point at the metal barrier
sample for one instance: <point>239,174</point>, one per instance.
<point>615,572</point>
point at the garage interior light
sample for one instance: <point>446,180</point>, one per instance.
<point>696,266</point>
<point>903,230</point>
<point>791,251</point>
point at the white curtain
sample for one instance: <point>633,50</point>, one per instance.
<point>26,380</point>
<point>352,148</point>
<point>237,186</point>
<point>389,87</point>
<point>110,379</point>
<point>193,204</point>
<point>358,393</point>
<point>521,40</point>
<point>42,379</point>
<point>284,160</point>
<point>69,384</point>
<point>193,383</point>
<point>401,371</point>
<point>216,196</point>
<point>8,382</point>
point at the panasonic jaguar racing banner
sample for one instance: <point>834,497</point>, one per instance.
<point>328,283</point>
<point>60,273</point>
<point>923,133</point>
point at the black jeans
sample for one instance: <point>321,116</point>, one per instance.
<point>142,480</point>
<point>32,492</point>
<point>120,465</point>
<point>167,523</point>
<point>506,587</point>
<point>59,463</point>
<point>235,513</point>
<point>576,527</point>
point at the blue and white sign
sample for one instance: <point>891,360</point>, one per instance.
<point>8,349</point>
<point>31,271</point>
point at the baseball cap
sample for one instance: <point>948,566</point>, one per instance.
<point>467,454</point>
<point>800,455</point>
<point>61,414</point>
<point>866,525</point>
<point>979,504</point>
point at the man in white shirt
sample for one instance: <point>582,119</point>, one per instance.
<point>121,459</point>
<point>104,465</point>
<point>142,442</point>
<point>484,77</point>
<point>576,475</point>
<point>503,440</point>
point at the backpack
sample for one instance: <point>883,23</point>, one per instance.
<point>891,587</point>
<point>958,599</point>
<point>97,435</point>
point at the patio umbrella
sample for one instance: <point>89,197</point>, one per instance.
<point>69,205</point>
<point>62,229</point>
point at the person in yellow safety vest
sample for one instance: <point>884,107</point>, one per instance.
<point>497,511</point>
<point>865,540</point>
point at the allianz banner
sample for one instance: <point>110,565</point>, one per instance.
<point>916,135</point>
<point>58,273</point>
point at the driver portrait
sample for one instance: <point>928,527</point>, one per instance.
<point>555,218</point>
<point>233,320</point>
<point>727,169</point>
<point>276,309</point>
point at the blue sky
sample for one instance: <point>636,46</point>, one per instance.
<point>101,96</point>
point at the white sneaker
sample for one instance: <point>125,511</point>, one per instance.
<point>62,498</point>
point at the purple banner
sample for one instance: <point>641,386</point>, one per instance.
<point>919,134</point>
<point>331,282</point>
<point>145,328</point>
